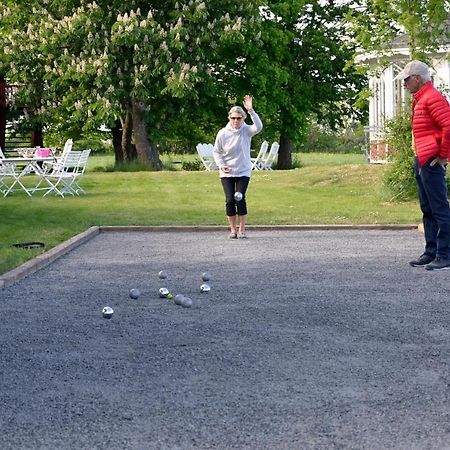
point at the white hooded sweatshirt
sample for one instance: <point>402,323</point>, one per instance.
<point>232,147</point>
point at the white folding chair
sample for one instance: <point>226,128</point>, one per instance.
<point>206,154</point>
<point>61,176</point>
<point>3,173</point>
<point>256,162</point>
<point>79,172</point>
<point>55,164</point>
<point>52,169</point>
<point>268,160</point>
<point>66,177</point>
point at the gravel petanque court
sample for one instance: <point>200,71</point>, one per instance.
<point>307,340</point>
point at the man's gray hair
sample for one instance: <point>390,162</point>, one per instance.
<point>426,77</point>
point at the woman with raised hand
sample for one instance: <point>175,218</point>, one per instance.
<point>232,156</point>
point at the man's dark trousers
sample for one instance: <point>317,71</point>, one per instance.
<point>433,199</point>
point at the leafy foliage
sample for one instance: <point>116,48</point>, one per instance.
<point>88,63</point>
<point>399,178</point>
<point>322,139</point>
<point>376,22</point>
<point>304,67</point>
<point>195,165</point>
<point>87,59</point>
<point>173,68</point>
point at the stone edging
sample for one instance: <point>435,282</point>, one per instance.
<point>40,261</point>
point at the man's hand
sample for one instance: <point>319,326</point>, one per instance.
<point>441,161</point>
<point>225,169</point>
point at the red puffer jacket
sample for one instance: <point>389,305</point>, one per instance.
<point>431,124</point>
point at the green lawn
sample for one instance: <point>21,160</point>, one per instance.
<point>328,189</point>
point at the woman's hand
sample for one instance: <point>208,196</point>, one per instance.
<point>224,169</point>
<point>248,103</point>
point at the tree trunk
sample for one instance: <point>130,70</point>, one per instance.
<point>128,149</point>
<point>116,132</point>
<point>2,114</point>
<point>285,153</point>
<point>37,138</point>
<point>146,151</point>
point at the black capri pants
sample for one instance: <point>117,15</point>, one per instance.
<point>230,186</point>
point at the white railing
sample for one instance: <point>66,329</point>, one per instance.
<point>7,92</point>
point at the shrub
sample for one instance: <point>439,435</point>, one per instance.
<point>297,163</point>
<point>97,145</point>
<point>323,139</point>
<point>129,166</point>
<point>98,142</point>
<point>193,166</point>
<point>399,178</point>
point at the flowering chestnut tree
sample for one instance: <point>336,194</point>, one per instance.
<point>128,64</point>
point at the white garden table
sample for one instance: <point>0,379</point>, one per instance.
<point>23,167</point>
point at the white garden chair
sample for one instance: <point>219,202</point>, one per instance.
<point>81,168</point>
<point>63,179</point>
<point>261,155</point>
<point>206,154</point>
<point>53,165</point>
<point>268,160</point>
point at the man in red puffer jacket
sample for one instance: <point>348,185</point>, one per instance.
<point>431,134</point>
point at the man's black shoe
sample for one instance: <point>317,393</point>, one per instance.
<point>438,264</point>
<point>423,260</point>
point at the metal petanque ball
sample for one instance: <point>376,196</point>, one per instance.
<point>178,300</point>
<point>206,276</point>
<point>187,302</point>
<point>107,312</point>
<point>164,292</point>
<point>205,287</point>
<point>135,293</point>
<point>162,274</point>
<point>238,196</point>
